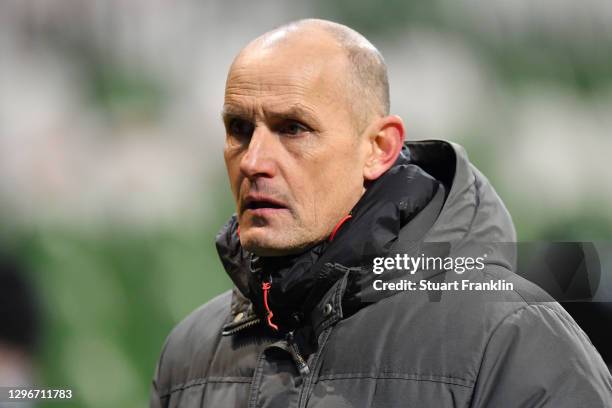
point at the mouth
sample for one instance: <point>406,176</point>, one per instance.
<point>262,204</point>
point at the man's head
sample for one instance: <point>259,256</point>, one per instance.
<point>307,123</point>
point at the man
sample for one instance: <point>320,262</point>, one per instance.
<point>324,185</point>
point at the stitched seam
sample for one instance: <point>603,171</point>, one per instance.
<point>406,377</point>
<point>229,380</point>
<point>201,381</point>
<point>184,386</point>
<point>569,321</point>
<point>486,347</point>
<point>254,389</point>
<point>316,366</point>
<point>520,310</point>
<point>476,202</point>
<point>573,324</point>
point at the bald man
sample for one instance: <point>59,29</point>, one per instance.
<point>331,307</point>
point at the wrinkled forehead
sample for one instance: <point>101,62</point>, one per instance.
<point>287,74</point>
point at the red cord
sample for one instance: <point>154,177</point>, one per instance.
<point>338,225</point>
<point>266,287</point>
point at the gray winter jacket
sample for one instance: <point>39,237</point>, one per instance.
<point>354,346</point>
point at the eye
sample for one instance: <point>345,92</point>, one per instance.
<point>293,128</point>
<point>240,128</point>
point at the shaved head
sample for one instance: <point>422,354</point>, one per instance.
<point>364,81</point>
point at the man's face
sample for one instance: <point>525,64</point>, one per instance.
<point>293,157</point>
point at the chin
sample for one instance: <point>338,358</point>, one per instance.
<point>261,243</point>
<point>269,243</point>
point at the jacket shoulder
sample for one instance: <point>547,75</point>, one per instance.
<point>523,290</point>
<point>193,339</point>
<point>519,294</point>
<point>542,349</point>
<point>203,321</point>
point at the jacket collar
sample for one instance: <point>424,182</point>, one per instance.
<point>330,276</point>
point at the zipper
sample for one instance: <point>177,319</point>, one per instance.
<point>316,365</point>
<point>294,350</point>
<point>316,358</point>
<point>233,328</point>
<point>339,267</point>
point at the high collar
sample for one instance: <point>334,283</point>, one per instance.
<point>305,287</point>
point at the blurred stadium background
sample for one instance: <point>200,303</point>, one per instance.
<point>112,184</point>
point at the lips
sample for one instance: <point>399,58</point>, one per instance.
<point>256,203</point>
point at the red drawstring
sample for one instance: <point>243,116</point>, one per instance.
<point>338,225</point>
<point>266,287</point>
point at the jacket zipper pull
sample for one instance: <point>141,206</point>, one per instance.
<point>266,287</point>
<point>301,364</point>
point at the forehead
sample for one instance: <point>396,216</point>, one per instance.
<point>292,74</point>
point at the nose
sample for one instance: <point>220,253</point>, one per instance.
<point>258,160</point>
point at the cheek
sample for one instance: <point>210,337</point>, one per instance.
<point>330,184</point>
<point>233,173</point>
<point>342,182</point>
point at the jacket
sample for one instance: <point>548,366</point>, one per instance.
<point>340,342</point>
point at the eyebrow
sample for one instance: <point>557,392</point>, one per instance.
<point>233,111</point>
<point>292,112</point>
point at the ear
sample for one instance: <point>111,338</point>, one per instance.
<point>386,138</point>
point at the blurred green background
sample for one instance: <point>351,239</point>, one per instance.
<point>112,184</point>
